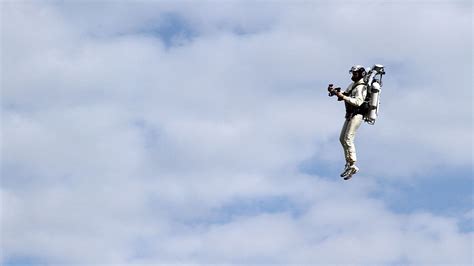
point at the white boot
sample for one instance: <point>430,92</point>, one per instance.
<point>352,171</point>
<point>347,169</point>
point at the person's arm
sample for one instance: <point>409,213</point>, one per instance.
<point>357,100</point>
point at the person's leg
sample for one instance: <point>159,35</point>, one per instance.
<point>342,139</point>
<point>352,125</point>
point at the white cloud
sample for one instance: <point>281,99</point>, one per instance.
<point>345,227</point>
<point>119,149</point>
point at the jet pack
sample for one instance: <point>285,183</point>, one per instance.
<point>374,88</point>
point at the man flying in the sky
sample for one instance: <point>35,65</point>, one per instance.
<point>353,97</point>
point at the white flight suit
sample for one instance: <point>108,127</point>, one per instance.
<point>356,95</point>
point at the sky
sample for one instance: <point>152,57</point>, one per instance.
<point>200,132</point>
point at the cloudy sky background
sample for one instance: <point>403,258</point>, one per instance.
<point>138,132</point>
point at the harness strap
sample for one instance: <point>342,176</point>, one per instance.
<point>351,110</point>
